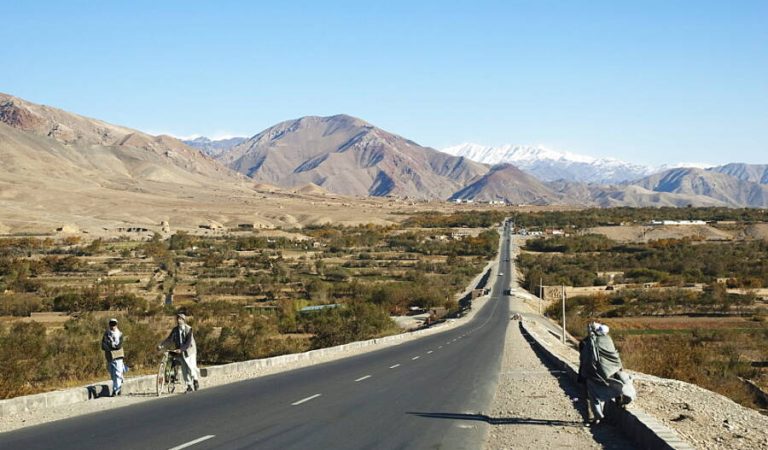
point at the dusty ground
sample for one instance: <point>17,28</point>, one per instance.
<point>641,233</point>
<point>758,231</point>
<point>100,212</point>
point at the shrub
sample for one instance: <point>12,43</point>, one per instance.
<point>19,304</point>
<point>356,321</point>
<point>22,351</point>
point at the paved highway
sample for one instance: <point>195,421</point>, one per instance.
<point>417,395</point>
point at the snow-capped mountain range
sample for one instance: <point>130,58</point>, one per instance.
<point>551,165</point>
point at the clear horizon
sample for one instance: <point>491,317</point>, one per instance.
<point>649,83</point>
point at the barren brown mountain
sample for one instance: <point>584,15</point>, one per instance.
<point>507,183</point>
<point>756,173</point>
<point>346,155</point>
<point>721,187</point>
<point>60,168</point>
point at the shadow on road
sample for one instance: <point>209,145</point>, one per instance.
<point>143,394</point>
<point>498,420</point>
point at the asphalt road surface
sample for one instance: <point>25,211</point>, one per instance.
<point>422,394</point>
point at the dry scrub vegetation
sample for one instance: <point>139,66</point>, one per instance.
<point>244,292</point>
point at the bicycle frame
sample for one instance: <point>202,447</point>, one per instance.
<point>168,374</point>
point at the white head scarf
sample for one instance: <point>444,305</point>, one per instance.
<point>600,329</point>
<point>114,336</point>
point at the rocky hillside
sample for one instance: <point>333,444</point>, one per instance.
<point>505,182</point>
<point>52,142</point>
<point>62,168</point>
<point>700,183</point>
<point>754,173</point>
<point>346,155</point>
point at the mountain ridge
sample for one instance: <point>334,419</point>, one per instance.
<point>48,152</point>
<point>348,155</point>
<point>551,165</point>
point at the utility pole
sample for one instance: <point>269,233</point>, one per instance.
<point>563,339</point>
<point>541,292</point>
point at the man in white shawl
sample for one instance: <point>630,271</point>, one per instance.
<point>182,342</point>
<point>112,344</point>
<point>600,366</point>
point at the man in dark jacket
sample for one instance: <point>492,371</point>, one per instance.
<point>112,344</point>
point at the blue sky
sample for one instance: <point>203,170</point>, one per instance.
<point>646,81</point>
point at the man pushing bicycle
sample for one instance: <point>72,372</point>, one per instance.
<point>182,342</point>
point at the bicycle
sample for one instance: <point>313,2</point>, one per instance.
<point>168,374</point>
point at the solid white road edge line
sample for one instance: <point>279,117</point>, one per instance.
<point>303,400</point>
<point>363,378</point>
<point>196,441</point>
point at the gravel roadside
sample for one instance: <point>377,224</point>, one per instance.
<point>535,406</point>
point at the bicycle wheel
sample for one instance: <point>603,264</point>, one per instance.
<point>171,376</point>
<point>161,378</point>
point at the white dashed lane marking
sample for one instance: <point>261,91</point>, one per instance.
<point>396,365</point>
<point>363,378</point>
<point>429,352</point>
<point>196,441</point>
<point>304,400</point>
<point>415,358</point>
